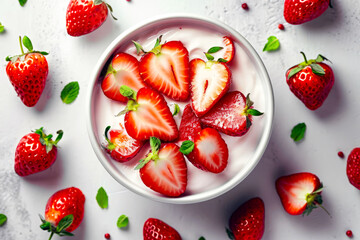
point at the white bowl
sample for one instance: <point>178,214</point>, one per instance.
<point>244,152</point>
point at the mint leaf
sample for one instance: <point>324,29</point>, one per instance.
<point>254,112</point>
<point>298,132</point>
<point>176,110</point>
<point>102,198</point>
<point>202,238</point>
<point>209,56</point>
<point>294,71</point>
<point>3,219</point>
<point>122,221</point>
<point>2,28</point>
<point>65,223</point>
<point>27,43</point>
<point>127,92</point>
<point>214,49</point>
<point>222,60</point>
<point>187,147</point>
<point>70,92</point>
<point>317,69</point>
<point>22,2</point>
<point>272,44</point>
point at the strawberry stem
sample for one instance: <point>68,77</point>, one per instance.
<point>21,46</point>
<point>51,235</point>
<point>304,57</point>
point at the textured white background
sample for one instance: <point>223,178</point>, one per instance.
<point>333,127</point>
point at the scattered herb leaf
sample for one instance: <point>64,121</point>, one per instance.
<point>298,132</point>
<point>70,92</point>
<point>187,147</point>
<point>22,2</point>
<point>102,198</point>
<point>2,28</point>
<point>122,221</point>
<point>176,110</point>
<point>272,44</point>
<point>3,219</point>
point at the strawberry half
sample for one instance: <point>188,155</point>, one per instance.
<point>123,70</point>
<point>229,49</point>
<point>190,125</point>
<point>300,193</point>
<point>155,229</point>
<point>121,146</point>
<point>166,69</point>
<point>148,115</point>
<point>209,82</point>
<point>164,169</point>
<point>232,115</point>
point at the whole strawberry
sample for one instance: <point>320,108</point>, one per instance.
<point>311,81</point>
<point>248,221</point>
<point>27,73</point>
<point>301,11</point>
<point>155,229</point>
<point>64,212</point>
<point>353,168</point>
<point>36,152</point>
<point>85,16</point>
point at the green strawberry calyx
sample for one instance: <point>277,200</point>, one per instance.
<point>98,2</point>
<point>110,145</point>
<point>46,140</point>
<point>249,110</point>
<point>60,229</point>
<point>313,63</point>
<point>211,58</point>
<point>153,155</point>
<point>27,43</point>
<point>314,200</point>
<point>156,50</point>
<point>132,104</point>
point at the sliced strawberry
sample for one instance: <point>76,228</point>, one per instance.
<point>299,193</point>
<point>190,125</point>
<point>232,115</point>
<point>164,169</point>
<point>229,49</point>
<point>123,70</point>
<point>148,115</point>
<point>121,146</point>
<point>210,151</point>
<point>209,82</point>
<point>166,69</point>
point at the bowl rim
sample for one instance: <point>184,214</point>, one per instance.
<point>231,183</point>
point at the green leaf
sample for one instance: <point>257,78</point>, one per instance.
<point>3,219</point>
<point>202,238</point>
<point>294,71</point>
<point>319,58</point>
<point>317,69</point>
<point>248,122</point>
<point>27,43</point>
<point>22,2</point>
<point>272,44</point>
<point>176,110</point>
<point>187,147</point>
<point>209,56</point>
<point>1,28</point>
<point>214,49</point>
<point>155,144</point>
<point>65,223</point>
<point>8,58</point>
<point>230,234</point>
<point>139,48</point>
<point>158,41</point>
<point>254,112</point>
<point>127,92</point>
<point>44,53</point>
<point>70,92</point>
<point>122,221</point>
<point>298,132</point>
<point>222,60</point>
<point>102,198</point>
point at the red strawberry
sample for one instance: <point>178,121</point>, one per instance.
<point>64,212</point>
<point>27,73</point>
<point>232,115</point>
<point>229,49</point>
<point>35,152</point>
<point>166,69</point>
<point>299,193</point>
<point>123,70</point>
<point>210,151</point>
<point>301,11</point>
<point>209,82</point>
<point>353,168</point>
<point>121,146</point>
<point>148,115</point>
<point>248,221</point>
<point>164,169</point>
<point>311,81</point>
<point>190,125</point>
<point>85,16</point>
<point>155,229</point>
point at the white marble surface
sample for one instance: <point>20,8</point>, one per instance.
<point>331,128</point>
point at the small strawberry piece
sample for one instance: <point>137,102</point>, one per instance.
<point>123,70</point>
<point>148,115</point>
<point>210,151</point>
<point>209,82</point>
<point>64,212</point>
<point>155,229</point>
<point>353,167</point>
<point>311,81</point>
<point>190,125</point>
<point>229,49</point>
<point>35,152</point>
<point>27,73</point>
<point>300,193</point>
<point>248,221</point>
<point>121,146</point>
<point>301,11</point>
<point>164,169</point>
<point>166,69</point>
<point>85,16</point>
<point>232,115</point>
